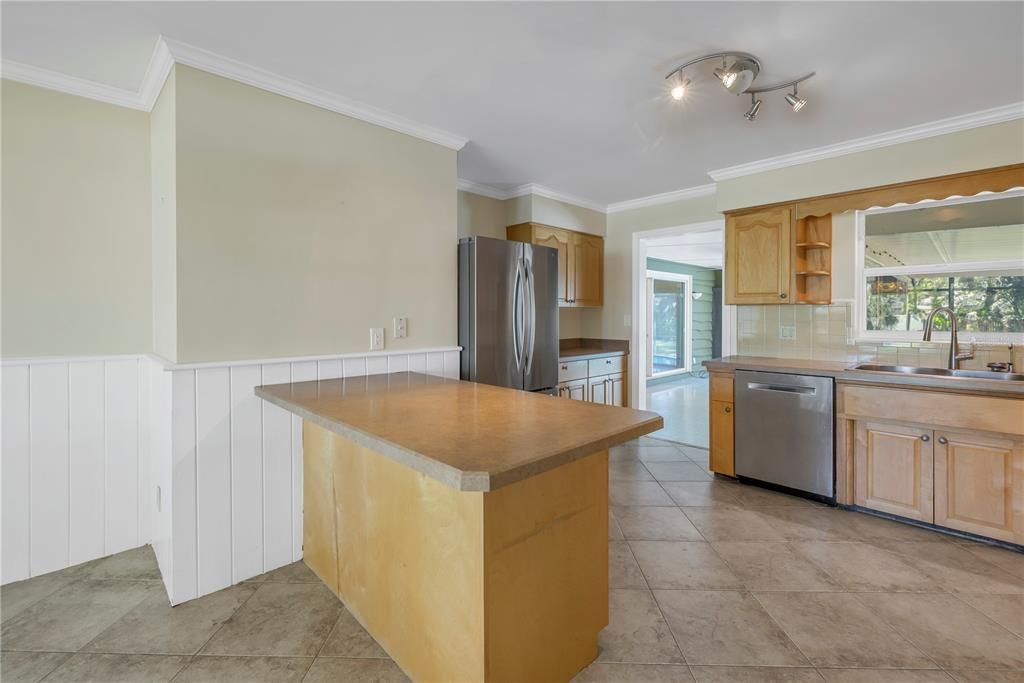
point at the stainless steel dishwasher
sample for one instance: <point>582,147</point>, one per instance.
<point>785,431</point>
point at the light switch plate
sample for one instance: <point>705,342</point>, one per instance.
<point>376,338</point>
<point>787,332</point>
<point>401,328</point>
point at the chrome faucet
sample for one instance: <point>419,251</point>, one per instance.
<point>954,346</point>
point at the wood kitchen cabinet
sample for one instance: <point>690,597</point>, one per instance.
<point>721,433</point>
<point>598,380</point>
<point>758,256</point>
<point>955,460</point>
<point>893,463</point>
<point>580,261</point>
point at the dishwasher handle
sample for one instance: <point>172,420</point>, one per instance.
<point>784,388</point>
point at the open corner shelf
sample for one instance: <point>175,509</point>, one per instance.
<point>813,260</point>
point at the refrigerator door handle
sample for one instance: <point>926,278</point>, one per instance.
<point>531,315</point>
<point>517,307</point>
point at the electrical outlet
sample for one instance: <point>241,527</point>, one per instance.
<point>401,328</point>
<point>376,338</point>
<point>787,332</point>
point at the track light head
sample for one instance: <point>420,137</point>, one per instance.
<point>739,76</point>
<point>680,89</point>
<point>755,106</point>
<point>795,100</point>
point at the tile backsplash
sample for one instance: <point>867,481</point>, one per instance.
<point>826,333</point>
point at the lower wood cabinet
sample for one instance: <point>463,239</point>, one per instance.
<point>601,380</point>
<point>721,457</point>
<point>893,465</point>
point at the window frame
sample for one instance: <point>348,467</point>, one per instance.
<point>864,335</point>
<point>687,281</point>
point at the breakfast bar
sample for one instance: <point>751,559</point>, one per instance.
<point>464,525</point>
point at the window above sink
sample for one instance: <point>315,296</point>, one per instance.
<point>966,253</point>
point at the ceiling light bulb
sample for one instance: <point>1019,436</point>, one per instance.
<point>678,92</point>
<point>755,106</point>
<point>795,100</point>
<point>728,78</point>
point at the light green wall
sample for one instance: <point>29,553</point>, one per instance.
<point>986,147</point>
<point>704,280</point>
<point>608,322</point>
<point>163,174</point>
<point>298,229</point>
<point>76,215</point>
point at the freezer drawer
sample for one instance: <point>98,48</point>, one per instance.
<point>785,430</point>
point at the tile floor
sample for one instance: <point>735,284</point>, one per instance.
<point>683,403</point>
<point>710,581</point>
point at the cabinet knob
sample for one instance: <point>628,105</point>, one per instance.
<point>943,440</point>
<point>728,409</point>
<point>783,295</point>
<point>565,367</point>
<point>925,437</point>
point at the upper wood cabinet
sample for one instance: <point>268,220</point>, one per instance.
<point>758,257</point>
<point>580,261</point>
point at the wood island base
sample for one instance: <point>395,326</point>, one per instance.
<point>503,585</point>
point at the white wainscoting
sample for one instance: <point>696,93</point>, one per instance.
<point>102,455</point>
<point>75,469</point>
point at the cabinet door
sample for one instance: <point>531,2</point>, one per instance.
<point>893,469</point>
<point>587,270</point>
<point>757,257</point>
<point>561,240</point>
<point>615,392</point>
<point>575,390</point>
<point>597,390</point>
<point>722,459</point>
<point>979,485</point>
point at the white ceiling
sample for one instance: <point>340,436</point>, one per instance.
<point>704,249</point>
<point>570,95</point>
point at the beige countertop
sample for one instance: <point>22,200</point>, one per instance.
<point>585,349</point>
<point>586,353</point>
<point>845,372</point>
<point>472,437</point>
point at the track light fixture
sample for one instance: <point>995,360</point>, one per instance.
<point>736,74</point>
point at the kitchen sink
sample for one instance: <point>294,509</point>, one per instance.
<point>943,372</point>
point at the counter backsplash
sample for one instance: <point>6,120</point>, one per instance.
<point>826,332</point>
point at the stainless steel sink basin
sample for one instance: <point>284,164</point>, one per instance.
<point>942,372</point>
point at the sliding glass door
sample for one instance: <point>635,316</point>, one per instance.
<point>669,316</point>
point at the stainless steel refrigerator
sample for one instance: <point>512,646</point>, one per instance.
<point>508,313</point>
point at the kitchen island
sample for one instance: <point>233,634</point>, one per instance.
<point>464,525</point>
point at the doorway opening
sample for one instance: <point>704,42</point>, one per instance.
<point>679,321</point>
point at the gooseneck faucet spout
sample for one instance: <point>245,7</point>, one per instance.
<point>954,346</point>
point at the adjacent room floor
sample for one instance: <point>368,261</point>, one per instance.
<point>683,402</point>
<point>710,581</point>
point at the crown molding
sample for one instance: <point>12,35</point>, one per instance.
<point>71,85</point>
<point>159,68</point>
<point>548,193</point>
<point>204,60</point>
<point>985,117</point>
<point>481,189</point>
<point>663,198</point>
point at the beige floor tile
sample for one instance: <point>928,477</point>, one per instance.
<point>697,455</point>
<point>296,572</point>
<point>601,672</point>
<point>754,674</point>
<point>836,630</point>
<point>628,470</point>
<point>811,523</point>
<point>956,569</point>
<point>20,595</point>
<point>683,565</point>
<point>333,670</point>
<point>884,676</point>
<point>865,567</point>
<point>93,668</point>
<point>281,619</point>
<point>702,493</point>
<point>678,471</point>
<point>773,566</point>
<point>154,627</point>
<point>870,528</point>
<point>29,667</point>
<point>731,524</point>
<point>754,497</point>
<point>637,493</point>
<point>661,454</point>
<point>1005,610</point>
<point>726,628</point>
<point>1009,560</point>
<point>623,571</point>
<point>138,564</point>
<point>952,633</point>
<point>980,676</point>
<point>348,638</point>
<point>71,617</point>
<point>614,530</point>
<point>636,631</point>
<point>245,670</point>
<point>656,524</point>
